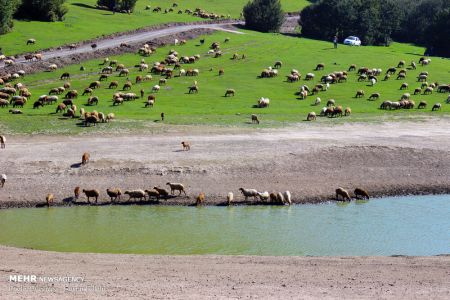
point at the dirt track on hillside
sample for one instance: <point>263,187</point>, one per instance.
<point>310,161</point>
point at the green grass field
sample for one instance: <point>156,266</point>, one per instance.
<point>84,22</point>
<point>210,107</point>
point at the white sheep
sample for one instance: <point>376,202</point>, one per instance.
<point>156,88</point>
<point>230,197</point>
<point>136,194</point>
<point>182,72</point>
<point>52,67</point>
<point>263,102</point>
<point>318,100</point>
<point>373,81</point>
<point>264,196</point>
<point>287,197</point>
<point>249,193</point>
<point>175,42</point>
<point>176,187</point>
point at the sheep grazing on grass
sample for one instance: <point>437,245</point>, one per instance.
<point>162,192</point>
<point>229,92</point>
<point>61,107</point>
<point>309,76</point>
<point>263,196</point>
<point>373,81</point>
<point>331,102</point>
<point>200,199</point>
<point>52,67</point>
<point>85,158</point>
<point>361,193</point>
<point>230,198</point>
<point>374,96</point>
<point>278,64</point>
<point>176,187</point>
<point>193,89</point>
<point>156,88</point>
<point>31,42</point>
<point>417,91</point>
<point>65,76</point>
<point>352,67</point>
<point>318,101</point>
<point>113,84</point>
<point>401,64</point>
<point>110,116</point>
<point>76,192</point>
<point>255,119</point>
<point>249,193</point>
<point>49,199</point>
<point>263,102</point>
<point>221,72</point>
<point>135,194</point>
<point>404,86</point>
<point>91,194</point>
<point>186,146</point>
<point>342,193</point>
<point>436,106</point>
<point>15,111</point>
<point>320,67</point>
<point>152,193</point>
<point>348,111</point>
<point>428,90</point>
<point>311,116</point>
<point>359,94</point>
<point>405,96</point>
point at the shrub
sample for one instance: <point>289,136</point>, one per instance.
<point>263,15</point>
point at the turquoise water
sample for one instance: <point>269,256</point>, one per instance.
<point>388,226</point>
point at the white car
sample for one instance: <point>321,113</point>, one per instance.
<point>352,41</point>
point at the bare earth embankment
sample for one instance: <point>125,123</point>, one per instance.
<point>311,161</point>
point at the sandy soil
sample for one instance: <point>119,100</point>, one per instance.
<point>223,277</point>
<point>310,160</point>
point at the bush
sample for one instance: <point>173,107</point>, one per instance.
<point>8,7</point>
<point>264,15</point>
<point>118,5</point>
<point>42,10</point>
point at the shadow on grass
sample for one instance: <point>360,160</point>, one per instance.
<point>84,5</point>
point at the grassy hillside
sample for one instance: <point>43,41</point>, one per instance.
<point>210,106</point>
<point>84,22</point>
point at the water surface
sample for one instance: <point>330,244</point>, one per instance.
<point>388,226</point>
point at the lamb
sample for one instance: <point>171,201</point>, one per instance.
<point>361,193</point>
<point>436,106</point>
<point>186,146</point>
<point>343,193</point>
<point>374,96</point>
<point>85,158</point>
<point>162,192</point>
<point>348,111</point>
<point>135,194</point>
<point>200,198</point>
<point>359,94</point>
<point>287,197</point>
<point>156,88</point>
<point>152,193</point>
<point>91,194</point>
<point>2,142</point>
<point>176,187</point>
<point>311,116</point>
<point>428,90</point>
<point>31,42</point>
<point>49,199</point>
<point>309,76</point>
<point>320,67</point>
<point>404,86</point>
<point>255,119</point>
<point>278,64</point>
<point>61,107</point>
<point>230,198</point>
<point>264,196</point>
<point>249,193</point>
<point>229,92</point>
<point>331,102</point>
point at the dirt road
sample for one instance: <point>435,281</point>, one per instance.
<point>310,160</point>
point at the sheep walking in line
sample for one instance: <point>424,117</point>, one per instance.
<point>2,142</point>
<point>3,180</point>
<point>249,193</point>
<point>162,192</point>
<point>114,194</point>
<point>91,194</point>
<point>264,196</point>
<point>136,194</point>
<point>176,187</point>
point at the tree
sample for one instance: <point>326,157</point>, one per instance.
<point>42,10</point>
<point>438,33</point>
<point>264,15</point>
<point>8,7</point>
<point>118,5</point>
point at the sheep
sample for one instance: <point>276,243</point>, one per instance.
<point>249,193</point>
<point>348,111</point>
<point>279,198</point>
<point>114,194</point>
<point>230,197</point>
<point>49,199</point>
<point>263,102</point>
<point>374,96</point>
<point>428,90</point>
<point>176,187</point>
<point>65,76</point>
<point>186,146</point>
<point>200,198</point>
<point>127,86</point>
<point>436,106</point>
<point>124,72</point>
<point>320,67</point>
<point>278,64</point>
<point>15,111</point>
<point>156,88</point>
<point>150,103</point>
<point>311,116</point>
<point>404,86</point>
<point>309,76</point>
<point>61,107</point>
<point>2,142</point>
<point>117,101</point>
<point>76,192</point>
<point>152,193</point>
<point>359,94</point>
<point>352,68</point>
<point>229,92</point>
<point>331,102</point>
<point>343,193</point>
<point>135,194</point>
<point>4,102</point>
<point>373,81</point>
<point>91,194</point>
<point>162,192</point>
<point>417,91</point>
<point>193,89</point>
<point>361,193</point>
<point>85,158</point>
<point>318,101</point>
<point>287,197</point>
<point>52,67</point>
<point>255,119</point>
<point>405,96</point>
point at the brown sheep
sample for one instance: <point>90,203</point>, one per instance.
<point>114,194</point>
<point>127,86</point>
<point>76,192</point>
<point>49,199</point>
<point>2,142</point>
<point>200,198</point>
<point>348,111</point>
<point>87,91</point>
<point>186,146</point>
<point>61,107</point>
<point>152,193</point>
<point>162,192</point>
<point>230,92</point>
<point>221,72</point>
<point>343,193</point>
<point>91,194</point>
<point>85,158</point>
<point>255,119</point>
<point>359,94</point>
<point>361,193</point>
<point>113,84</point>
<point>94,85</point>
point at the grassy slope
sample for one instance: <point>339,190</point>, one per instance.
<point>83,22</point>
<point>210,107</point>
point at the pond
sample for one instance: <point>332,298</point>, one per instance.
<point>415,225</point>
